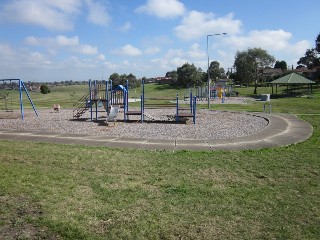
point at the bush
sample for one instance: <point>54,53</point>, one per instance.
<point>44,89</point>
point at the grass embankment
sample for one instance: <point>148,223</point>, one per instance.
<point>78,192</point>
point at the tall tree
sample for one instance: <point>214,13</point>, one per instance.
<point>215,71</point>
<point>318,43</point>
<point>248,63</point>
<point>115,77</point>
<point>310,59</point>
<point>281,64</point>
<point>189,75</point>
<point>174,76</point>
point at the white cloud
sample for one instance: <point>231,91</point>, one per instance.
<point>109,65</point>
<point>55,15</point>
<point>97,13</point>
<point>65,41</point>
<point>195,52</point>
<point>174,58</point>
<point>86,49</point>
<point>125,27</point>
<point>276,42</point>
<point>58,41</point>
<point>101,57</point>
<point>197,24</point>
<point>275,39</point>
<point>174,53</point>
<point>127,50</point>
<point>71,43</point>
<point>162,8</point>
<point>11,58</point>
<point>152,50</point>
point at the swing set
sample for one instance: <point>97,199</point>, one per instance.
<point>21,87</point>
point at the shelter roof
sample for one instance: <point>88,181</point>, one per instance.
<point>292,78</point>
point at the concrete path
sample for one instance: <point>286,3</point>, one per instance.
<point>282,130</point>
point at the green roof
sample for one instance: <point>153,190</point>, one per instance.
<point>292,78</point>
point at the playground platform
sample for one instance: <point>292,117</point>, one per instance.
<point>282,130</point>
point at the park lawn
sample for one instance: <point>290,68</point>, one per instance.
<point>66,96</point>
<point>55,191</point>
<point>78,192</point>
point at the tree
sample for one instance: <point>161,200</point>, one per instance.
<point>44,89</point>
<point>215,72</point>
<point>281,64</point>
<point>248,63</point>
<point>115,77</point>
<point>174,76</point>
<point>318,43</point>
<point>189,75</point>
<point>310,59</point>
<point>122,80</point>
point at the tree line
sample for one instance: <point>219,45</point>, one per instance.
<point>248,69</point>
<point>248,64</point>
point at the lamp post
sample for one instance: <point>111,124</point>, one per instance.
<point>209,92</point>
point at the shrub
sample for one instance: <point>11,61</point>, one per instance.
<point>44,89</point>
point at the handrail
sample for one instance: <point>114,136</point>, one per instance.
<point>81,105</point>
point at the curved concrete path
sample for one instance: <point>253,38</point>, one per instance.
<point>282,130</point>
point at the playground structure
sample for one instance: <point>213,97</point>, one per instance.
<point>167,103</point>
<point>103,94</point>
<point>21,87</point>
<point>218,90</point>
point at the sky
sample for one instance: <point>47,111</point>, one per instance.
<point>59,40</point>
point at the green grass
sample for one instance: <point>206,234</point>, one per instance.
<point>66,96</point>
<point>53,191</point>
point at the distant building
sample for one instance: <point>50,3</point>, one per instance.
<point>308,73</point>
<point>271,72</point>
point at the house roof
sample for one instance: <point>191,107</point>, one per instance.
<point>292,78</point>
<point>272,71</point>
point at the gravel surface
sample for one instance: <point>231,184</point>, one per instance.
<point>209,125</point>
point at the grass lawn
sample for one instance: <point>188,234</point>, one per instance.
<point>54,191</point>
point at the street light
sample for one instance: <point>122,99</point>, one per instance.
<point>210,35</point>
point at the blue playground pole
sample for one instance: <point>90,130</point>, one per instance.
<point>95,97</point>
<point>194,109</point>
<point>177,109</point>
<point>21,103</point>
<point>125,105</point>
<point>127,95</point>
<point>25,89</point>
<point>90,102</point>
<point>106,95</point>
<point>142,100</point>
<point>111,86</point>
<point>141,108</point>
<point>223,94</point>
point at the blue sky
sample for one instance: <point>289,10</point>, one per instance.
<point>46,40</point>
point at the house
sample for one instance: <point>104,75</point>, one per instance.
<point>163,80</point>
<point>271,72</point>
<point>308,73</point>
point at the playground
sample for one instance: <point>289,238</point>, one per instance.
<point>210,125</point>
<point>60,182</point>
<point>157,118</point>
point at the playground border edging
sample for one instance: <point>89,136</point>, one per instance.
<point>282,130</point>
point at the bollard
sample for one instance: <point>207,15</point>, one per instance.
<point>265,106</point>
